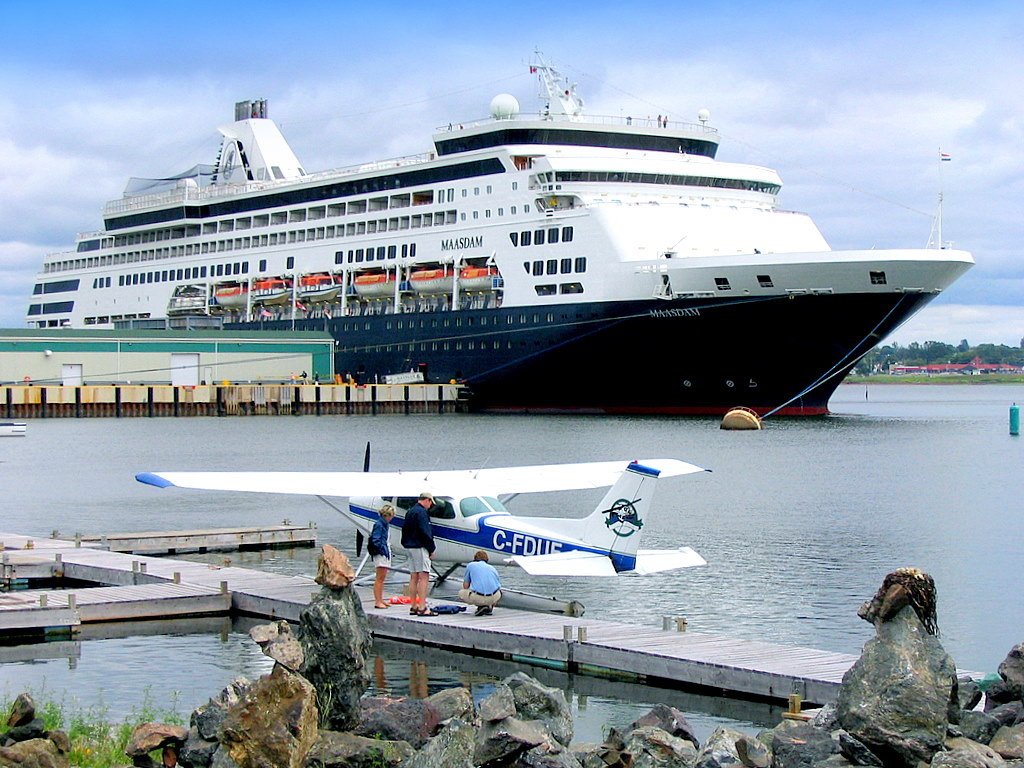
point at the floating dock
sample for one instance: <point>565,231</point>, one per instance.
<point>206,540</point>
<point>669,657</point>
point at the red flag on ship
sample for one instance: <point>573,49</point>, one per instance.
<point>533,70</point>
<point>944,157</point>
<point>265,313</point>
<point>300,305</point>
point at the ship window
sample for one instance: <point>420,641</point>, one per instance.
<point>476,214</point>
<point>538,237</point>
<point>380,253</point>
<point>878,278</point>
<point>538,268</point>
<point>570,288</point>
<point>552,266</point>
<point>202,271</point>
<point>566,234</point>
<point>501,211</point>
<point>393,251</point>
<point>525,238</point>
<point>722,284</point>
<point>465,193</point>
<point>581,263</point>
<point>359,254</point>
<point>552,235</point>
<point>545,290</point>
<point>412,250</point>
<point>513,210</point>
<point>339,258</point>
<point>765,281</point>
<point>526,266</point>
<point>220,270</point>
<point>476,190</point>
<point>290,263</point>
<point>514,237</point>
<point>565,266</point>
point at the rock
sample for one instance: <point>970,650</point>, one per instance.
<point>968,692</point>
<point>347,750</point>
<point>498,705</point>
<point>540,757</point>
<point>719,749</point>
<point>670,720</point>
<point>334,571</point>
<point>207,719</point>
<point>23,711</point>
<point>534,701</point>
<point>653,747</point>
<point>1009,742</point>
<point>60,741</point>
<point>222,759</point>
<point>964,752</point>
<point>336,644</point>
<point>197,752</point>
<point>34,753</point>
<point>1011,669</point>
<point>1001,692</point>
<point>275,723</point>
<point>799,745</point>
<point>453,702</point>
<point>33,729</point>
<point>277,641</point>
<point>856,751</point>
<point>452,747</point>
<point>499,743</point>
<point>904,587</point>
<point>753,753</point>
<point>149,736</point>
<point>899,696</point>
<point>1008,714</point>
<point>825,718</point>
<point>978,726</point>
<point>410,720</point>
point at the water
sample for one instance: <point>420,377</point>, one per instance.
<point>799,524</point>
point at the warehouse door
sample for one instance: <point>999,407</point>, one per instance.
<point>71,374</point>
<point>185,369</point>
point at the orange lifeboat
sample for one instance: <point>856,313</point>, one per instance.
<point>271,290</point>
<point>437,280</point>
<point>319,286</point>
<point>230,295</point>
<point>375,284</point>
<point>477,278</point>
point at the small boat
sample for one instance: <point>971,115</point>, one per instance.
<point>271,290</point>
<point>375,284</point>
<point>477,278</point>
<point>320,286</point>
<point>230,296</point>
<point>437,280</point>
<point>12,428</point>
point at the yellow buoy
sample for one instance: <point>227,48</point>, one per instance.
<point>741,418</point>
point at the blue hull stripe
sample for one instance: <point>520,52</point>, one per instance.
<point>150,479</point>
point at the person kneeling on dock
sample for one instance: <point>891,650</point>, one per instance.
<point>379,550</point>
<point>482,585</point>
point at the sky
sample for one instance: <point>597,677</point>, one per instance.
<point>851,103</point>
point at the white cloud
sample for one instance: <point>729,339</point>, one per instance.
<point>978,323</point>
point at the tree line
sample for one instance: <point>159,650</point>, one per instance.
<point>934,352</point>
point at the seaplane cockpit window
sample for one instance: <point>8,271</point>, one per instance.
<point>404,502</point>
<point>443,509</point>
<point>473,505</point>
<point>494,504</point>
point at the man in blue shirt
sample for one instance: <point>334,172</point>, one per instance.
<point>482,585</point>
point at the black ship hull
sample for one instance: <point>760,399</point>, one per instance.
<point>783,355</point>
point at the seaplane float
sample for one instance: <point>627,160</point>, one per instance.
<point>468,515</point>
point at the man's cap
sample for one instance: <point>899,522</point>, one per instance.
<point>427,495</point>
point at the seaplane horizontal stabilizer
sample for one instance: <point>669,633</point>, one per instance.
<point>656,560</point>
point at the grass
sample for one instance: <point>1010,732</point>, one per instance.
<point>96,741</point>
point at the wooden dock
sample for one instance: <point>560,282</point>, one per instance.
<point>207,540</point>
<point>147,587</point>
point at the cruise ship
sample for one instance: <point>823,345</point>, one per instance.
<point>554,261</point>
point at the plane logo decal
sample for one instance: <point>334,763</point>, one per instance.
<point>623,518</point>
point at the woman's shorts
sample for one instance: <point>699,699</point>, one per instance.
<point>379,561</point>
<point>419,560</point>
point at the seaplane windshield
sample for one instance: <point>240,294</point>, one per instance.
<point>477,505</point>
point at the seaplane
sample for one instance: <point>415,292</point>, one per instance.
<point>468,514</point>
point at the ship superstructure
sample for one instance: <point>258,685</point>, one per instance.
<point>553,261</point>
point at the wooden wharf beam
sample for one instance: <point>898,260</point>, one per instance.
<point>203,540</point>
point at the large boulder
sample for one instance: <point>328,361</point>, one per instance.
<point>899,697</point>
<point>499,705</point>
<point>275,723</point>
<point>453,702</point>
<point>800,745</point>
<point>347,750</point>
<point>534,701</point>
<point>277,641</point>
<point>336,645</point>
<point>501,742</point>
<point>23,711</point>
<point>33,729</point>
<point>1011,669</point>
<point>978,726</point>
<point>1009,742</point>
<point>197,752</point>
<point>410,720</point>
<point>334,571</point>
<point>719,749</point>
<point>652,747</point>
<point>452,747</point>
<point>34,753</point>
<point>207,719</point>
<point>149,736</point>
<point>670,720</point>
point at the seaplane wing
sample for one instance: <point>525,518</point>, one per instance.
<point>493,481</point>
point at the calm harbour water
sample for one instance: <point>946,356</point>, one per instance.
<point>799,523</point>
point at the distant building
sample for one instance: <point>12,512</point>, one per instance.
<point>973,368</point>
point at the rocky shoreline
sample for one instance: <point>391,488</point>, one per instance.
<point>900,705</point>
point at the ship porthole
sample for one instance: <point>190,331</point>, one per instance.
<point>687,383</point>
<point>730,383</point>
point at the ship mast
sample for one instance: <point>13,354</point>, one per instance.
<point>935,238</point>
<point>557,92</point>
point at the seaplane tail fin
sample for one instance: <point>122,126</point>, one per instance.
<point>617,523</point>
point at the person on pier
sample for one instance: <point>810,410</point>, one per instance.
<point>418,540</point>
<point>482,585</point>
<point>379,550</point>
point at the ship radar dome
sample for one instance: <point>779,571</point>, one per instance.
<point>504,106</point>
<point>704,115</point>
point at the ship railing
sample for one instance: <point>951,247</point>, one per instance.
<point>629,121</point>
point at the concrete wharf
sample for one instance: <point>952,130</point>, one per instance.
<point>138,587</point>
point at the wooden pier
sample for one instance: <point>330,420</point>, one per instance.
<point>206,540</point>
<point>143,587</point>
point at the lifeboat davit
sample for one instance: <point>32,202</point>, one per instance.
<point>477,278</point>
<point>318,287</point>
<point>375,284</point>
<point>437,280</point>
<point>271,290</point>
